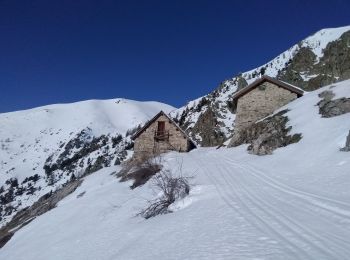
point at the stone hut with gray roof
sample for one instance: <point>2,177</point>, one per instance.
<point>260,99</point>
<point>161,134</point>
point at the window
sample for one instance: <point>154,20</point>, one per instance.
<point>161,127</point>
<point>161,134</point>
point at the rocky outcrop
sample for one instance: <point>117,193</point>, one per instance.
<point>302,62</point>
<point>267,135</point>
<point>13,189</point>
<point>84,154</point>
<point>308,73</point>
<point>305,71</point>
<point>329,107</point>
<point>207,125</point>
<point>347,144</point>
<point>336,58</point>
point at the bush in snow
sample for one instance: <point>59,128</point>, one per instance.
<point>171,189</point>
<point>140,169</point>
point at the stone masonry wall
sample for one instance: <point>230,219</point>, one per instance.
<point>145,142</point>
<point>259,103</point>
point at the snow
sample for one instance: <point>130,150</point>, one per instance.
<point>293,204</point>
<point>29,137</point>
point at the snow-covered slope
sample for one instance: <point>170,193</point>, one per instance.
<point>28,138</point>
<point>293,204</point>
<point>316,61</point>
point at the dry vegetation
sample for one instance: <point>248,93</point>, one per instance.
<point>140,169</point>
<point>172,188</point>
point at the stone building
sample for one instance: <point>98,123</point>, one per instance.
<point>260,99</point>
<point>161,134</point>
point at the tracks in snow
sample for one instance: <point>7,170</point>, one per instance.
<point>307,226</point>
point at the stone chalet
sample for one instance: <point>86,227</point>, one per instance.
<point>260,99</point>
<point>159,135</point>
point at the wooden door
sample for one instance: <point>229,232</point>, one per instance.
<point>161,127</point>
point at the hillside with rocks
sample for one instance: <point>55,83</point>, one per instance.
<point>44,148</point>
<point>319,60</point>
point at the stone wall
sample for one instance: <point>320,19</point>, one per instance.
<point>146,143</point>
<point>259,103</point>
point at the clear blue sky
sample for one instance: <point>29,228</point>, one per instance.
<point>169,51</point>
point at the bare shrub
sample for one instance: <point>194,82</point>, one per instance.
<point>140,169</point>
<point>172,188</point>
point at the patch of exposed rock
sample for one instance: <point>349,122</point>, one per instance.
<point>12,189</point>
<point>84,154</point>
<point>332,67</point>
<point>347,144</point>
<point>329,107</point>
<point>267,135</point>
<point>44,204</point>
<point>207,125</point>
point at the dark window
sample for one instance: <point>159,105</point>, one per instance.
<point>161,134</point>
<point>161,126</point>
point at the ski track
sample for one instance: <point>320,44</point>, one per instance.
<point>308,230</point>
<point>236,202</point>
<point>311,201</point>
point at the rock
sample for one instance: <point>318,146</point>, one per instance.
<point>333,66</point>
<point>303,61</point>
<point>241,83</point>
<point>331,108</point>
<point>207,125</point>
<point>347,144</point>
<point>267,135</point>
<point>327,95</point>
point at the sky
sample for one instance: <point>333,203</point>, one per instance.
<point>168,51</point>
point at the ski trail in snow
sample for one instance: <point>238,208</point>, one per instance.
<point>234,201</point>
<point>299,232</point>
<point>306,224</point>
<point>311,201</point>
<point>339,207</point>
<point>323,215</point>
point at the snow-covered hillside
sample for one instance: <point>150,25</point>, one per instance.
<point>316,61</point>
<point>293,204</point>
<point>28,138</point>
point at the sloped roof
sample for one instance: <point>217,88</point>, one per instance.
<point>263,79</point>
<point>161,113</point>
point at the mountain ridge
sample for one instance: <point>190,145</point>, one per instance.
<point>309,64</point>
